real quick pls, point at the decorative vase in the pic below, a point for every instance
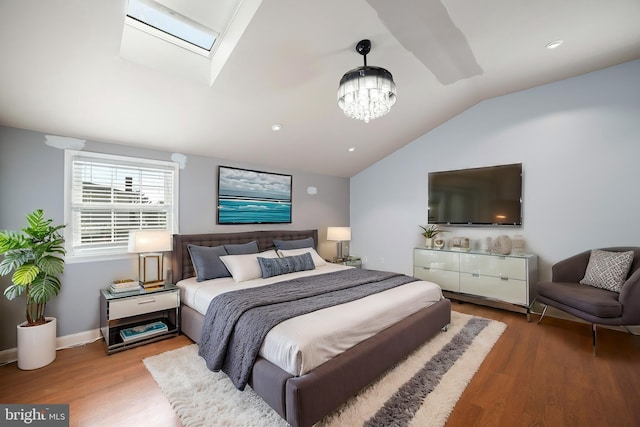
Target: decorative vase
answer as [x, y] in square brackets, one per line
[501, 245]
[486, 244]
[428, 242]
[36, 344]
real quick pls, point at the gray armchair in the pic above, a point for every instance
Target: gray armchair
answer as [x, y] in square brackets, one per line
[595, 305]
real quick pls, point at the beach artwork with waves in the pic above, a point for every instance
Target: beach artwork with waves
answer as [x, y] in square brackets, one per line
[253, 197]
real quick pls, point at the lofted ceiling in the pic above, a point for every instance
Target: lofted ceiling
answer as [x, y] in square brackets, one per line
[67, 69]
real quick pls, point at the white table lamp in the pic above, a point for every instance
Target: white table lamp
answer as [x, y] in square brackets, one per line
[150, 244]
[339, 234]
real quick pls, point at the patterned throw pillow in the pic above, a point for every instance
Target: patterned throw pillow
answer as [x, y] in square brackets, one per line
[246, 266]
[317, 259]
[607, 270]
[289, 264]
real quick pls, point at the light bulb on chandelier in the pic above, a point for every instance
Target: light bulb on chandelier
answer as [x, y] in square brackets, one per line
[366, 93]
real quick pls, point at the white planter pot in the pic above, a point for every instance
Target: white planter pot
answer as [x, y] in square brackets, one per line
[428, 242]
[36, 344]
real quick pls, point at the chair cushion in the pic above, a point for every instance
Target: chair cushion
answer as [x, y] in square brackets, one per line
[595, 301]
[607, 270]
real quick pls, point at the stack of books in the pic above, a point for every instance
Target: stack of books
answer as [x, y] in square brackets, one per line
[127, 285]
[143, 331]
[152, 285]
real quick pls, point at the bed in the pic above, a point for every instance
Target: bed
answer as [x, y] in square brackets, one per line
[304, 399]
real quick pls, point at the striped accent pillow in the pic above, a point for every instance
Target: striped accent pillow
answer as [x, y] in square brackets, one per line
[290, 264]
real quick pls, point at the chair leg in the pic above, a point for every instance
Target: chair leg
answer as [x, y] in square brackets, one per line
[544, 311]
[593, 334]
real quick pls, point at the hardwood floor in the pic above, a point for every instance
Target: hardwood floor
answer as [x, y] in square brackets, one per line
[101, 390]
[536, 375]
[546, 375]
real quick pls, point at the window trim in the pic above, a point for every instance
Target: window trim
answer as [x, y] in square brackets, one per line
[69, 156]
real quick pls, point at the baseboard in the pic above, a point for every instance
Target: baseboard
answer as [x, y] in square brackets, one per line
[81, 338]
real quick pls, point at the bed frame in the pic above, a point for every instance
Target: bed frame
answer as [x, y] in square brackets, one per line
[305, 400]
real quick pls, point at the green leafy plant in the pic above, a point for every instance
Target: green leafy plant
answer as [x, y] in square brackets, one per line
[35, 257]
[431, 231]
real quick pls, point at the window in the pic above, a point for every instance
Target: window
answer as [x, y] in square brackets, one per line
[169, 25]
[108, 196]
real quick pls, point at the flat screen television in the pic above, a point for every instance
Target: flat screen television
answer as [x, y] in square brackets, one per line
[479, 196]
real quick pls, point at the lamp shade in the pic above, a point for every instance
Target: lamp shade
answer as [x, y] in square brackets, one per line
[339, 234]
[142, 241]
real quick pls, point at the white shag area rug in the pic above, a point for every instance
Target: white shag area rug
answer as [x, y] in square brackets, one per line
[422, 390]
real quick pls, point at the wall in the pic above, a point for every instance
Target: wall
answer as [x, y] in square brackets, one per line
[32, 177]
[579, 142]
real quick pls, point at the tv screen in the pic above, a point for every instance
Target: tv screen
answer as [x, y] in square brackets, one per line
[479, 196]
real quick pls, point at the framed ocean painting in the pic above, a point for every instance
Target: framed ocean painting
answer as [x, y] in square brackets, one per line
[253, 197]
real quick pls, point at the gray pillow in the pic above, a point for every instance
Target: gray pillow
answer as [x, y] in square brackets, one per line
[607, 270]
[243, 248]
[289, 264]
[294, 244]
[206, 262]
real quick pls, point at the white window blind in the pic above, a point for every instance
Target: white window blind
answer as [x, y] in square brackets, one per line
[109, 196]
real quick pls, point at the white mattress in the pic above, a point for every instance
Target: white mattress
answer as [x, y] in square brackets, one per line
[302, 343]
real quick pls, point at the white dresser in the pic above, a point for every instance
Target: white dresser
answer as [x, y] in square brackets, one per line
[504, 281]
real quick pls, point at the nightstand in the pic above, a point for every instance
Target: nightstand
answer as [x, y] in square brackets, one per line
[126, 310]
[351, 261]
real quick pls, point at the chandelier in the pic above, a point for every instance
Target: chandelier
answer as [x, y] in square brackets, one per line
[366, 93]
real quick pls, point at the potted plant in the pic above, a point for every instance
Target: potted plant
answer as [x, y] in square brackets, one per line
[34, 255]
[429, 233]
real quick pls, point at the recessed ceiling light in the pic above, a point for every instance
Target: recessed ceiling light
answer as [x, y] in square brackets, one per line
[352, 149]
[554, 44]
[276, 127]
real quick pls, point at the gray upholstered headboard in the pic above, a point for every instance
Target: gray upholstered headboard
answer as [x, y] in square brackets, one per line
[181, 261]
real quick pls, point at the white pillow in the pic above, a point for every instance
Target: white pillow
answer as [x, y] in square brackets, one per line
[246, 267]
[317, 259]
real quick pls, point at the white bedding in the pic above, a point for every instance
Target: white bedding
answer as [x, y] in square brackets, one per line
[302, 343]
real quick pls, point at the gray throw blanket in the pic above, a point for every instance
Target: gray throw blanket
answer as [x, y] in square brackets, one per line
[237, 322]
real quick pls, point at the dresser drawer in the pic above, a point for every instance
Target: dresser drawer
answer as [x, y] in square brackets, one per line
[494, 265]
[436, 260]
[134, 306]
[447, 280]
[503, 289]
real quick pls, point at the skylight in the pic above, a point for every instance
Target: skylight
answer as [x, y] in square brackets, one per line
[160, 21]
